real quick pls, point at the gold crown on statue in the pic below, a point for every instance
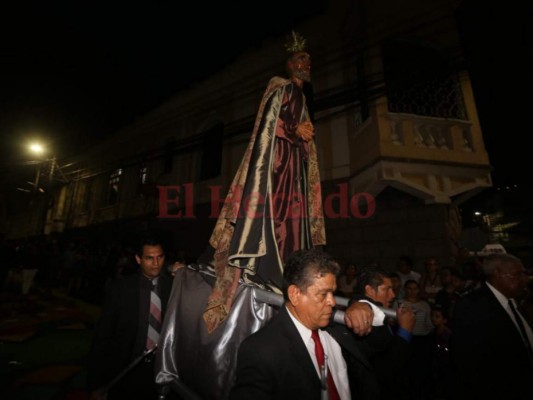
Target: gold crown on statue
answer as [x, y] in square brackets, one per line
[295, 42]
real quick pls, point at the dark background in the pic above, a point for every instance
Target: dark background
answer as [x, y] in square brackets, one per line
[74, 72]
[497, 40]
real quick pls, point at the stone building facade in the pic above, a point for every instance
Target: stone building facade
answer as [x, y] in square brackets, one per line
[396, 129]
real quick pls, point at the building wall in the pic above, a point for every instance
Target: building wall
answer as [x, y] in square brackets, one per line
[400, 225]
[360, 142]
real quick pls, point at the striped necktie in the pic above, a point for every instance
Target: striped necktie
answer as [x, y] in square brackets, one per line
[521, 327]
[154, 318]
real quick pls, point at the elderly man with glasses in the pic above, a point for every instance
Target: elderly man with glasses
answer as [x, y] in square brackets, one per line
[492, 341]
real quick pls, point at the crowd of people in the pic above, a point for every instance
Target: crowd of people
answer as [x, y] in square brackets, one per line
[432, 349]
[458, 332]
[79, 266]
[445, 343]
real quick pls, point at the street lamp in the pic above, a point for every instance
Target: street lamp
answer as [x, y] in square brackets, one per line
[37, 149]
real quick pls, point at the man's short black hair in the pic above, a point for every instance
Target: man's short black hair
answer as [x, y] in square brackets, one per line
[372, 275]
[304, 266]
[148, 240]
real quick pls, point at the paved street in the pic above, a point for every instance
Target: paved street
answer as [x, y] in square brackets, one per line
[44, 340]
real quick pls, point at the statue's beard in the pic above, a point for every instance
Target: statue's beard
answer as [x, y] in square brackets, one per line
[303, 75]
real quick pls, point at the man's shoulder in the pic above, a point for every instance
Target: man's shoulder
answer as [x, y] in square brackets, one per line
[125, 282]
[263, 343]
[272, 328]
[166, 277]
[167, 281]
[479, 298]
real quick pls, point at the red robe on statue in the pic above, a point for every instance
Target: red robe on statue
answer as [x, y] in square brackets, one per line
[274, 205]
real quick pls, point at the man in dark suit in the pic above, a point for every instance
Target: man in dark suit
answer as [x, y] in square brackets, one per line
[280, 361]
[122, 331]
[491, 344]
[387, 347]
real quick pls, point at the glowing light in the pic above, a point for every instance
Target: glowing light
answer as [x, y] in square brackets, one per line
[36, 148]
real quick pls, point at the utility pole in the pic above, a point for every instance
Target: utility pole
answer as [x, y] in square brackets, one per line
[52, 169]
[37, 177]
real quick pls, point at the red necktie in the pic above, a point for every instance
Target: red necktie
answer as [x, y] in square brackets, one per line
[319, 351]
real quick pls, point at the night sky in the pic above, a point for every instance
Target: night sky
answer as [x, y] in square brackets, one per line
[498, 44]
[74, 72]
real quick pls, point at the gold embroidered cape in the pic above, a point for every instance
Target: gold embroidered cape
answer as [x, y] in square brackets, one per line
[243, 228]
